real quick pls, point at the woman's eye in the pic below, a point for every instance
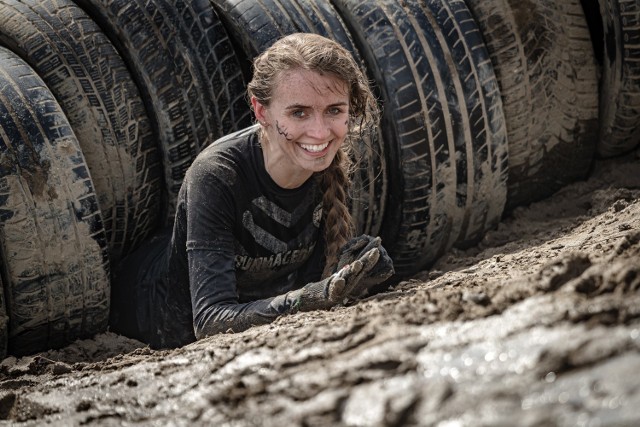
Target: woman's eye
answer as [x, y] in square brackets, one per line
[334, 111]
[298, 114]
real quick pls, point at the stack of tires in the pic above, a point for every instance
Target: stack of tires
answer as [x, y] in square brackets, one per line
[487, 105]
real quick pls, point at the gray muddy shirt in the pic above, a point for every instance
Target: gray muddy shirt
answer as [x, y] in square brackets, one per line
[240, 243]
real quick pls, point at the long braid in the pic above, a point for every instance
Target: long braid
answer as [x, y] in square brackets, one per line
[338, 224]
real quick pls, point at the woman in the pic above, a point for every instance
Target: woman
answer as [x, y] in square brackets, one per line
[262, 226]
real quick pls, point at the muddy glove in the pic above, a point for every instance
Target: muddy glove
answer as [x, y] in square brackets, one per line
[336, 288]
[381, 271]
[355, 248]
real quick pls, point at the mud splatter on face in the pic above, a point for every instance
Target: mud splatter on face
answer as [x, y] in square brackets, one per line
[283, 131]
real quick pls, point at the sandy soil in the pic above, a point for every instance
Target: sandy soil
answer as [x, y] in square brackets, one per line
[538, 325]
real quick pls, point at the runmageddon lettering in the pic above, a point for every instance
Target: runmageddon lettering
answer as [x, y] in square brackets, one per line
[247, 263]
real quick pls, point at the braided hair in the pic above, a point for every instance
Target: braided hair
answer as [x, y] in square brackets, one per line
[316, 53]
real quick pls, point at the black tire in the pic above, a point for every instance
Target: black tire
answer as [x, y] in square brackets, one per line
[369, 183]
[442, 123]
[4, 320]
[254, 26]
[546, 69]
[92, 84]
[617, 36]
[187, 70]
[54, 253]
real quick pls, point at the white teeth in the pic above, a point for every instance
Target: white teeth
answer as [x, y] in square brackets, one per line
[314, 148]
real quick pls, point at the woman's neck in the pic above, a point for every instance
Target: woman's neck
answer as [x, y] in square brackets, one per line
[281, 170]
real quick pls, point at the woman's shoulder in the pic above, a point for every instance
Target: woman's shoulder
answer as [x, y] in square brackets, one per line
[232, 149]
[236, 142]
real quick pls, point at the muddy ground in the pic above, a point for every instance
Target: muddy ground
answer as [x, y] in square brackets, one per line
[539, 325]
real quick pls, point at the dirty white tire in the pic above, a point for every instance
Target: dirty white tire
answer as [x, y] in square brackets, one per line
[187, 71]
[254, 26]
[54, 252]
[443, 125]
[97, 94]
[546, 69]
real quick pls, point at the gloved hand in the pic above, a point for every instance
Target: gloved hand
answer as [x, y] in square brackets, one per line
[355, 248]
[336, 288]
[380, 272]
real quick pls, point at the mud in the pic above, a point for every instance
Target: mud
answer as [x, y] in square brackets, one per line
[537, 325]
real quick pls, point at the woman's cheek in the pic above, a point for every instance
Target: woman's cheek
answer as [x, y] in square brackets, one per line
[284, 130]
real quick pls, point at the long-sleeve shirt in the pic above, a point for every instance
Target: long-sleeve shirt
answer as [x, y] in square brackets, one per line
[240, 244]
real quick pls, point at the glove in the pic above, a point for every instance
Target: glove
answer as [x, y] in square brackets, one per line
[336, 288]
[380, 272]
[355, 248]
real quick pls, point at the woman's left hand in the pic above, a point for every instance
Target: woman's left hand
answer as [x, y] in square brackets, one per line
[380, 272]
[356, 248]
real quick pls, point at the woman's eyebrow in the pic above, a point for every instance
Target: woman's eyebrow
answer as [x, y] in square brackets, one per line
[299, 106]
[295, 107]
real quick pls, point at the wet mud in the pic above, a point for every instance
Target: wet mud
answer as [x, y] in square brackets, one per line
[537, 325]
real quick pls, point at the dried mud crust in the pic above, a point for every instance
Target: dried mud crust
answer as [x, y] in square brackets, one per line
[54, 266]
[98, 96]
[443, 128]
[545, 311]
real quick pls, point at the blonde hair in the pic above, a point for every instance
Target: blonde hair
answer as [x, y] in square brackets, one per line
[319, 54]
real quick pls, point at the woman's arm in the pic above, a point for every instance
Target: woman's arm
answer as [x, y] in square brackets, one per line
[216, 306]
[215, 300]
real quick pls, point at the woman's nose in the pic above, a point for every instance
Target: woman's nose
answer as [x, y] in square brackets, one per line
[319, 128]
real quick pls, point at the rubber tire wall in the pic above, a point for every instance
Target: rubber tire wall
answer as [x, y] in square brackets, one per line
[256, 25]
[443, 125]
[546, 69]
[187, 71]
[91, 82]
[55, 266]
[620, 79]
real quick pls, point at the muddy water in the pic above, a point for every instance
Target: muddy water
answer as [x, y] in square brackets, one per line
[539, 325]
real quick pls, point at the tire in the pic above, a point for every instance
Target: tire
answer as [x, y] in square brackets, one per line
[443, 125]
[546, 70]
[616, 35]
[369, 183]
[92, 84]
[54, 252]
[4, 320]
[187, 71]
[254, 26]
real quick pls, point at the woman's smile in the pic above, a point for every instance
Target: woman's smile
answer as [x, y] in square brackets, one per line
[315, 148]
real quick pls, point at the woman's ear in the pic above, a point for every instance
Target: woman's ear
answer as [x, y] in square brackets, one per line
[259, 110]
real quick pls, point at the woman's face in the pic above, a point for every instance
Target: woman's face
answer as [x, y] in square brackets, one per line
[306, 123]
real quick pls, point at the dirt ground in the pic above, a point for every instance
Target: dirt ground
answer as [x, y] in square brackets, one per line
[539, 325]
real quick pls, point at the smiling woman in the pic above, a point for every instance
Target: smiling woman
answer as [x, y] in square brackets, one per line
[262, 226]
[304, 126]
